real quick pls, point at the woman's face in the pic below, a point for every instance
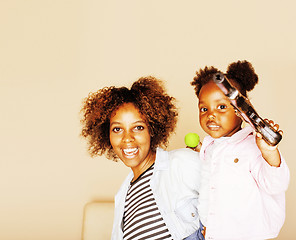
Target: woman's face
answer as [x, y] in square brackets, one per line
[130, 138]
[216, 115]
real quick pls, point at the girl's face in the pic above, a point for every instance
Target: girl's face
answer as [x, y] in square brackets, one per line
[216, 115]
[130, 138]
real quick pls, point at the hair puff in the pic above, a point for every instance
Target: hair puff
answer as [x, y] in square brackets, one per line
[243, 73]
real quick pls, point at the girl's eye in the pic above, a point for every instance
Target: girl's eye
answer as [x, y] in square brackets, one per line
[222, 107]
[203, 109]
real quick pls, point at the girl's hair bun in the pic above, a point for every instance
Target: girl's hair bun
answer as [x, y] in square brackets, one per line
[243, 73]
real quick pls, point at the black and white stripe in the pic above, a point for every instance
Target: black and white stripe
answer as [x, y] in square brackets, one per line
[142, 219]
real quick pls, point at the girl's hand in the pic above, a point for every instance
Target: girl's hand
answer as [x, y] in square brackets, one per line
[197, 148]
[269, 153]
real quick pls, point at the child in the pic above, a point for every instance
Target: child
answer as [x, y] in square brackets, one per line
[243, 179]
[158, 199]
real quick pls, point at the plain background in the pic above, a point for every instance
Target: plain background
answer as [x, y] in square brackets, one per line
[54, 52]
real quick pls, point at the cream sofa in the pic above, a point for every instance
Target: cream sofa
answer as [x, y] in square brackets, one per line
[98, 220]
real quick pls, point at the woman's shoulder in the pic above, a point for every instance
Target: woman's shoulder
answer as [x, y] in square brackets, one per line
[181, 159]
[184, 154]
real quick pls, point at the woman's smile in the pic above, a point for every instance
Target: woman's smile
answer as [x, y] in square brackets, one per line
[130, 152]
[130, 138]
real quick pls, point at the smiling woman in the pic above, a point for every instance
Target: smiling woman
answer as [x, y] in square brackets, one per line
[158, 199]
[148, 96]
[130, 138]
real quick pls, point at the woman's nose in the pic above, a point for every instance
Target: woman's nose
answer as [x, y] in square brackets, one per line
[128, 137]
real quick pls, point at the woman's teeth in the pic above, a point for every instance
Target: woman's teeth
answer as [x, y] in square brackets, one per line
[130, 151]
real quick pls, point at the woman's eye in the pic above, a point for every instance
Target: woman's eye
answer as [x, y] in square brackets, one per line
[116, 129]
[222, 107]
[139, 128]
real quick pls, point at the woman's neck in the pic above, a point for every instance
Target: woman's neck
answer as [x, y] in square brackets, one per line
[145, 165]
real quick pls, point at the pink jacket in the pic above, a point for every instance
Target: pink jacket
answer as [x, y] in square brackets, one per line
[247, 195]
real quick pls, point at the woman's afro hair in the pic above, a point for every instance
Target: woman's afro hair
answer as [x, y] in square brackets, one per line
[241, 73]
[148, 96]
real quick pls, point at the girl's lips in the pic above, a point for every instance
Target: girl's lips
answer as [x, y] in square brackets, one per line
[213, 126]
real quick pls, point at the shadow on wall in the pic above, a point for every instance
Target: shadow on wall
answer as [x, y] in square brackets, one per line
[98, 220]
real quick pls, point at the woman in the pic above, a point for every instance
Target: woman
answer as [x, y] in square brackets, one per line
[158, 199]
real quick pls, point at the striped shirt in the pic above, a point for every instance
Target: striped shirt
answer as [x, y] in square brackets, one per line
[142, 219]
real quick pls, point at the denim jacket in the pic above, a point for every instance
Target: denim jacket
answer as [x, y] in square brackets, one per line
[175, 183]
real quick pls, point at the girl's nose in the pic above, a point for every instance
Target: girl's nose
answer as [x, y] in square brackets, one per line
[211, 115]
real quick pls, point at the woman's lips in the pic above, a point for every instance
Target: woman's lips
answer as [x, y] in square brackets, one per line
[130, 151]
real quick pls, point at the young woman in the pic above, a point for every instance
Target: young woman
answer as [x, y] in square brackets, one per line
[158, 199]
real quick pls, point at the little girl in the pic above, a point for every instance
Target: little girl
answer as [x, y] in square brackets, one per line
[243, 179]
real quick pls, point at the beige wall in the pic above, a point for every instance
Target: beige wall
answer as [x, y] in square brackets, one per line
[53, 52]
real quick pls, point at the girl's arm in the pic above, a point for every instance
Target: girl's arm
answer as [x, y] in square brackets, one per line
[269, 153]
[274, 176]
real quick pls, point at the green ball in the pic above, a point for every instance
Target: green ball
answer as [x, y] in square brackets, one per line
[192, 140]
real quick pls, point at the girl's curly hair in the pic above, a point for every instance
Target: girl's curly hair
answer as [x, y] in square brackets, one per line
[203, 76]
[241, 73]
[149, 97]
